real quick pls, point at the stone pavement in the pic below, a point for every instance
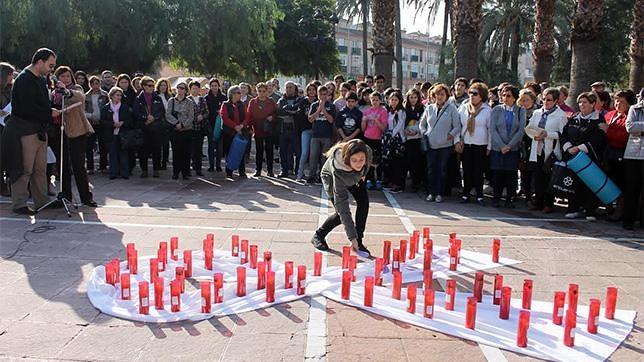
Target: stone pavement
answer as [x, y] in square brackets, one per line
[45, 313]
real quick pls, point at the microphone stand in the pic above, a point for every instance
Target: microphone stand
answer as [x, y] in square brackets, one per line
[60, 198]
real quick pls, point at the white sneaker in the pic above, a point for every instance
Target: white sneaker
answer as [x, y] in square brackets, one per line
[574, 215]
[430, 197]
[439, 198]
[591, 218]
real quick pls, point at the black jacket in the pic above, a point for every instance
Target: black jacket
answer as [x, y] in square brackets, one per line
[214, 104]
[579, 131]
[141, 114]
[107, 120]
[129, 98]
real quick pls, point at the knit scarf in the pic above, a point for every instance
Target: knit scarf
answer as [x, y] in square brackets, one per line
[472, 111]
[115, 111]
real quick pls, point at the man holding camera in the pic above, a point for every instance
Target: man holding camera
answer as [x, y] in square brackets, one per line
[26, 134]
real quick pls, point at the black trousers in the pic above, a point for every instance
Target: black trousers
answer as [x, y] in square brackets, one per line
[197, 149]
[103, 148]
[414, 163]
[453, 172]
[165, 148]
[473, 157]
[152, 147]
[633, 193]
[264, 147]
[181, 153]
[583, 197]
[542, 195]
[360, 194]
[505, 179]
[74, 161]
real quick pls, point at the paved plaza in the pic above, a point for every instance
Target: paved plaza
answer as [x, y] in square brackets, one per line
[45, 313]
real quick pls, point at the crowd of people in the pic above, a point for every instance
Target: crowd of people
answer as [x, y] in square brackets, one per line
[438, 139]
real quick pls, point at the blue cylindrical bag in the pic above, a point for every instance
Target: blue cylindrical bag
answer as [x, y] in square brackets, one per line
[593, 176]
[236, 152]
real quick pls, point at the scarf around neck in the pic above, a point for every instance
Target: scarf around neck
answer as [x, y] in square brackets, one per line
[472, 112]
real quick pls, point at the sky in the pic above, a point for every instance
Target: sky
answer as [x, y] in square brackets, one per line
[408, 24]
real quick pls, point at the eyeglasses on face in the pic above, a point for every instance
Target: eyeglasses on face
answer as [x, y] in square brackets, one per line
[182, 88]
[474, 93]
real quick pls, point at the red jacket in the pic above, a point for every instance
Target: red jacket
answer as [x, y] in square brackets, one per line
[255, 115]
[616, 134]
[238, 116]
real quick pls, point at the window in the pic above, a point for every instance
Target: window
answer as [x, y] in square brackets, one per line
[356, 44]
[340, 41]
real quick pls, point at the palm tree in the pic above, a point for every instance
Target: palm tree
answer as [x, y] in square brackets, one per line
[432, 6]
[399, 56]
[586, 30]
[383, 13]
[353, 9]
[636, 51]
[466, 27]
[543, 48]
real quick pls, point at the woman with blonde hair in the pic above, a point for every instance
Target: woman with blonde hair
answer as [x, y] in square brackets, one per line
[344, 173]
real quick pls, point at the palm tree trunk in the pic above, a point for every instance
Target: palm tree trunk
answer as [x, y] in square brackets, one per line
[585, 33]
[516, 50]
[442, 69]
[466, 26]
[636, 51]
[383, 15]
[399, 56]
[365, 37]
[505, 49]
[544, 40]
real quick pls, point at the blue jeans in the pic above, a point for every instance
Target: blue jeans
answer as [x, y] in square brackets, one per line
[437, 170]
[288, 147]
[214, 151]
[119, 163]
[305, 151]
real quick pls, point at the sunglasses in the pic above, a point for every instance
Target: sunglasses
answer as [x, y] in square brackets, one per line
[148, 85]
[474, 93]
[182, 88]
[549, 100]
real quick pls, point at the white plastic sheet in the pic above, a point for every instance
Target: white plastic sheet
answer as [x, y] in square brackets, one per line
[545, 339]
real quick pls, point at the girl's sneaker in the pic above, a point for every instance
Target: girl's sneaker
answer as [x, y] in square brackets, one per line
[378, 185]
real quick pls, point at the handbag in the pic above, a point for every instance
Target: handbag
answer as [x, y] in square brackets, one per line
[562, 180]
[132, 139]
[217, 129]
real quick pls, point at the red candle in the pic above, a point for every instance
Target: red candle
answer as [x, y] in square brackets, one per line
[458, 243]
[470, 313]
[317, 264]
[144, 298]
[450, 294]
[426, 233]
[174, 248]
[453, 254]
[558, 307]
[210, 236]
[452, 236]
[593, 315]
[496, 246]
[498, 284]
[573, 296]
[412, 248]
[208, 244]
[187, 263]
[116, 269]
[261, 275]
[346, 284]
[386, 251]
[154, 269]
[163, 245]
[429, 247]
[569, 329]
[428, 277]
[175, 296]
[504, 310]
[234, 248]
[158, 293]
[161, 267]
[243, 253]
[208, 256]
[288, 275]
[253, 256]
[134, 262]
[368, 291]
[478, 286]
[352, 267]
[241, 281]
[428, 311]
[109, 273]
[346, 257]
[301, 279]
[427, 260]
[403, 251]
[522, 329]
[527, 294]
[412, 290]
[395, 262]
[377, 274]
[205, 296]
[218, 281]
[125, 286]
[270, 287]
[180, 277]
[268, 261]
[611, 302]
[128, 253]
[396, 289]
